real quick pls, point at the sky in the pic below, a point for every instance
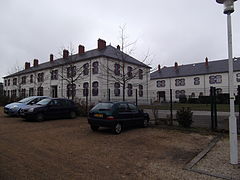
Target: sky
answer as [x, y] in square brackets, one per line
[183, 31]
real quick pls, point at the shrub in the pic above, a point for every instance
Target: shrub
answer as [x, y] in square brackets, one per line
[193, 100]
[182, 98]
[184, 117]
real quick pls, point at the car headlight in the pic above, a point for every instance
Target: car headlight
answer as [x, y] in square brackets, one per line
[31, 110]
[14, 107]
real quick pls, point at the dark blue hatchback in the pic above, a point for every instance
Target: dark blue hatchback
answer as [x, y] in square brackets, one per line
[117, 115]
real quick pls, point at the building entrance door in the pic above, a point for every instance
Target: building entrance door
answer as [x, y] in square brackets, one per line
[54, 91]
[161, 96]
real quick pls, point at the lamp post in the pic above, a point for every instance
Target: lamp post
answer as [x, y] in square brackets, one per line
[228, 9]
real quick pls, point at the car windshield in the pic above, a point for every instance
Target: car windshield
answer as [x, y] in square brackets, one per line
[26, 100]
[103, 107]
[44, 102]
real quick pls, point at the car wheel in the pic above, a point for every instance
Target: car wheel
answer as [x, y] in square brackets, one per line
[145, 123]
[94, 128]
[39, 117]
[117, 128]
[73, 114]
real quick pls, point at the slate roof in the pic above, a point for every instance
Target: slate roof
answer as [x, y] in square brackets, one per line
[109, 51]
[217, 66]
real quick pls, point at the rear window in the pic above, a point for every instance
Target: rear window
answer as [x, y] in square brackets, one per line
[103, 107]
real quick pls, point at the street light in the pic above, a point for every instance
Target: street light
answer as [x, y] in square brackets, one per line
[228, 9]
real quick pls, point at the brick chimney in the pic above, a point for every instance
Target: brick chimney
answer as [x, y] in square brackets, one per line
[206, 62]
[51, 57]
[159, 68]
[81, 49]
[27, 65]
[35, 62]
[101, 44]
[118, 47]
[176, 65]
[65, 54]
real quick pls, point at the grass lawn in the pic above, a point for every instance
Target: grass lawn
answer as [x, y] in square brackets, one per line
[196, 107]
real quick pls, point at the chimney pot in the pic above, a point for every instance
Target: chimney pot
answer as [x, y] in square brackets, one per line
[65, 54]
[27, 65]
[176, 65]
[206, 62]
[81, 49]
[159, 68]
[101, 44]
[51, 57]
[35, 62]
[118, 47]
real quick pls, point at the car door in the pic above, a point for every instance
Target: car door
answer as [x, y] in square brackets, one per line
[134, 114]
[54, 109]
[124, 115]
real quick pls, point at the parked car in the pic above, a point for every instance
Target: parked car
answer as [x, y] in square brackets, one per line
[14, 108]
[50, 108]
[116, 115]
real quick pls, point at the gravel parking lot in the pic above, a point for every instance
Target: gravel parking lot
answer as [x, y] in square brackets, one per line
[68, 149]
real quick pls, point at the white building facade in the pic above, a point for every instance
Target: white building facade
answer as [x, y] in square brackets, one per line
[192, 80]
[94, 76]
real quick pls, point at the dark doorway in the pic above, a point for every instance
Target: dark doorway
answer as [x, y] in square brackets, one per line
[54, 91]
[161, 96]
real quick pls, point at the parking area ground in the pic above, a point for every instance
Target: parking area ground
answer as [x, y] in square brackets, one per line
[68, 149]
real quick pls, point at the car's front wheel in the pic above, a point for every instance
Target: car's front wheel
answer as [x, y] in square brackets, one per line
[94, 128]
[117, 129]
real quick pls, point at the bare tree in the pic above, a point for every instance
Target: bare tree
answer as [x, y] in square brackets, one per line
[119, 74]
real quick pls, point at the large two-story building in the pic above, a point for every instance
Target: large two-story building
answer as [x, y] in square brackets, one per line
[98, 75]
[193, 80]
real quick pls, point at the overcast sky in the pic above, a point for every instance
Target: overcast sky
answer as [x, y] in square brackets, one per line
[183, 31]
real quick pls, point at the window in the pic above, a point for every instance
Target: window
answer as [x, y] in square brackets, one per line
[218, 91]
[14, 81]
[40, 91]
[215, 79]
[85, 69]
[8, 82]
[140, 91]
[117, 89]
[201, 94]
[122, 107]
[238, 77]
[95, 88]
[193, 95]
[140, 73]
[117, 69]
[23, 92]
[40, 77]
[54, 74]
[71, 90]
[161, 83]
[129, 73]
[31, 92]
[85, 89]
[31, 78]
[24, 79]
[129, 91]
[179, 93]
[132, 107]
[14, 93]
[180, 82]
[196, 81]
[5, 82]
[71, 71]
[95, 68]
